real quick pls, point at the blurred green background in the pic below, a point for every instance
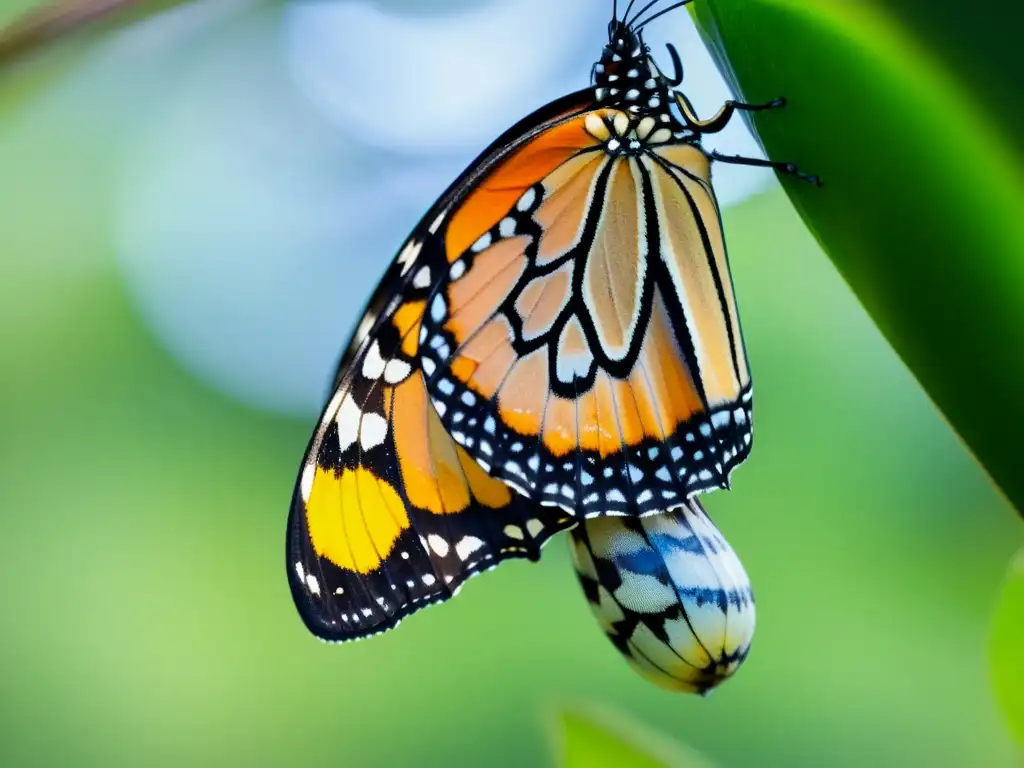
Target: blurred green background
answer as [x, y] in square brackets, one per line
[146, 614]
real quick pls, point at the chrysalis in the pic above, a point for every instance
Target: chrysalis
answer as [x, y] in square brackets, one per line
[670, 593]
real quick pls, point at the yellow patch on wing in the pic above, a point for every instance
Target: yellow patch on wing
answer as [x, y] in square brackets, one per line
[354, 518]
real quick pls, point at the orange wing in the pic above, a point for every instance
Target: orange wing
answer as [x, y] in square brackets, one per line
[389, 514]
[584, 343]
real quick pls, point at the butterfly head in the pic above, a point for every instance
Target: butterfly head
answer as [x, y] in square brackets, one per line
[626, 73]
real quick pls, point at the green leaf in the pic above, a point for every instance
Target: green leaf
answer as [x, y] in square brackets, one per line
[983, 55]
[921, 208]
[588, 743]
[1007, 648]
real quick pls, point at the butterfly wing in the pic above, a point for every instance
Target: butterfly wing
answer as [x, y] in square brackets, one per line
[587, 320]
[670, 593]
[389, 514]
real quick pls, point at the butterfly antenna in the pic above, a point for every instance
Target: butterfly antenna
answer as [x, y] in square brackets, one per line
[642, 11]
[661, 13]
[628, 9]
[615, 10]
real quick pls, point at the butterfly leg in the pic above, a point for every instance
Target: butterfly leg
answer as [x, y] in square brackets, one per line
[725, 114]
[787, 168]
[677, 64]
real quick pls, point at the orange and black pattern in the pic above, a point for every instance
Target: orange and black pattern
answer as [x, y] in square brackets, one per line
[557, 341]
[584, 344]
[389, 514]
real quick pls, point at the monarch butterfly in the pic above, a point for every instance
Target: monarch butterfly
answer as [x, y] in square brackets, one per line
[558, 339]
[670, 593]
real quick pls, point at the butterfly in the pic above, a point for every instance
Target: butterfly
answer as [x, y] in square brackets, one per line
[670, 593]
[558, 339]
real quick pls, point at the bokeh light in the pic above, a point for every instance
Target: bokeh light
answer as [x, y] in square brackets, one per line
[290, 112]
[189, 232]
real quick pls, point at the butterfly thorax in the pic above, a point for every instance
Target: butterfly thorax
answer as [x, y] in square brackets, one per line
[627, 76]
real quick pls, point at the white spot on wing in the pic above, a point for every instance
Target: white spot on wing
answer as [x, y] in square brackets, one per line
[439, 545]
[534, 527]
[528, 198]
[373, 363]
[422, 278]
[306, 486]
[313, 584]
[483, 243]
[396, 371]
[438, 309]
[409, 254]
[372, 431]
[466, 546]
[348, 422]
[512, 531]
